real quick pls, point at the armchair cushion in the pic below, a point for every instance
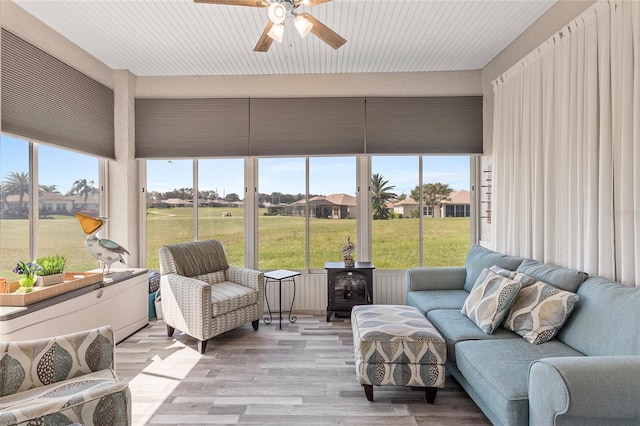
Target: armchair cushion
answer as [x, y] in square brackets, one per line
[213, 277]
[228, 296]
[198, 258]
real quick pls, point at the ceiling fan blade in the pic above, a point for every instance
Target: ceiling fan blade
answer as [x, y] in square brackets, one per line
[264, 43]
[251, 3]
[325, 33]
[313, 2]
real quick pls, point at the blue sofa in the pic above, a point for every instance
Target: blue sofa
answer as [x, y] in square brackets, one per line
[589, 374]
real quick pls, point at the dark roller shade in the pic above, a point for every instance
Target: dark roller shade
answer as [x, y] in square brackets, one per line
[191, 128]
[307, 126]
[433, 125]
[46, 100]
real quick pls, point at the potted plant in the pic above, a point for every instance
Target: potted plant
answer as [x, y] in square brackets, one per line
[52, 270]
[29, 272]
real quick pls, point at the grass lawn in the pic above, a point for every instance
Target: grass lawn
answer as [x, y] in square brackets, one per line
[281, 239]
[56, 235]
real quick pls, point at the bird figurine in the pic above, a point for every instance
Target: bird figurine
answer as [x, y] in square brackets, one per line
[106, 251]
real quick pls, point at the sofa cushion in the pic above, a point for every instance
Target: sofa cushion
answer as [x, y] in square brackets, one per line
[228, 296]
[564, 279]
[427, 301]
[456, 327]
[539, 310]
[480, 258]
[605, 321]
[490, 300]
[498, 370]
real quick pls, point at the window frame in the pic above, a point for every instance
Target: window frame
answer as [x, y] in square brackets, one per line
[363, 207]
[34, 182]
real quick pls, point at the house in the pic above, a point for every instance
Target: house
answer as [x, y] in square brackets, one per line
[90, 206]
[54, 202]
[177, 202]
[49, 202]
[334, 206]
[405, 207]
[458, 205]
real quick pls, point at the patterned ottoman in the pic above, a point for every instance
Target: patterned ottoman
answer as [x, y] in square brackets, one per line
[395, 345]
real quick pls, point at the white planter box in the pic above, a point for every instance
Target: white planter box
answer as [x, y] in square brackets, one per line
[50, 279]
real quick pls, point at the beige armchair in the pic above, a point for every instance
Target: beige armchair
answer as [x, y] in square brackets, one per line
[202, 295]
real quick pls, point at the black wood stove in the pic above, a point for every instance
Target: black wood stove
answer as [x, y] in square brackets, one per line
[348, 286]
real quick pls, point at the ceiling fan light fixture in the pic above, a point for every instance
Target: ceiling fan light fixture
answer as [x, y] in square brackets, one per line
[276, 32]
[302, 25]
[277, 13]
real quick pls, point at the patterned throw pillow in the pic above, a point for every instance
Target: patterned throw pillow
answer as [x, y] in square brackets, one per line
[539, 311]
[496, 269]
[490, 300]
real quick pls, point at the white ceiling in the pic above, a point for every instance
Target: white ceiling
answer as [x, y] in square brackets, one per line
[178, 37]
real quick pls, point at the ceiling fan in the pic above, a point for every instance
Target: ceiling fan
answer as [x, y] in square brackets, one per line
[278, 11]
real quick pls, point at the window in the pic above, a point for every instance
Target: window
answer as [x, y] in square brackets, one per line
[221, 205]
[395, 229]
[282, 213]
[332, 206]
[447, 230]
[14, 209]
[67, 182]
[169, 205]
[428, 211]
[70, 182]
[307, 209]
[329, 211]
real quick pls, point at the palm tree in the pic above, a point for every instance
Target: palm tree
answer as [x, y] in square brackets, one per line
[4, 193]
[48, 189]
[380, 195]
[84, 188]
[17, 183]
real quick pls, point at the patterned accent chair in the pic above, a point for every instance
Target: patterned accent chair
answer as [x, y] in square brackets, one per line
[63, 380]
[202, 295]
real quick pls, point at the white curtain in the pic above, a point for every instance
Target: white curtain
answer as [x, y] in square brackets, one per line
[567, 147]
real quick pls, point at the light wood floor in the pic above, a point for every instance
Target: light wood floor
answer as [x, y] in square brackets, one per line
[303, 374]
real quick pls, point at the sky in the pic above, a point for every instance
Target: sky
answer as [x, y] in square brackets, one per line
[56, 166]
[327, 175]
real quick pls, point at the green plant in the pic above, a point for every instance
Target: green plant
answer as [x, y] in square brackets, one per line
[51, 265]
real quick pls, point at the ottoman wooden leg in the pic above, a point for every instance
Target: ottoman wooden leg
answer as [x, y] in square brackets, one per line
[430, 394]
[368, 391]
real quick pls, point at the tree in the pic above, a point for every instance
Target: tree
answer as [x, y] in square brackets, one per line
[4, 192]
[83, 187]
[432, 193]
[380, 195]
[208, 195]
[232, 197]
[17, 183]
[180, 193]
[49, 189]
